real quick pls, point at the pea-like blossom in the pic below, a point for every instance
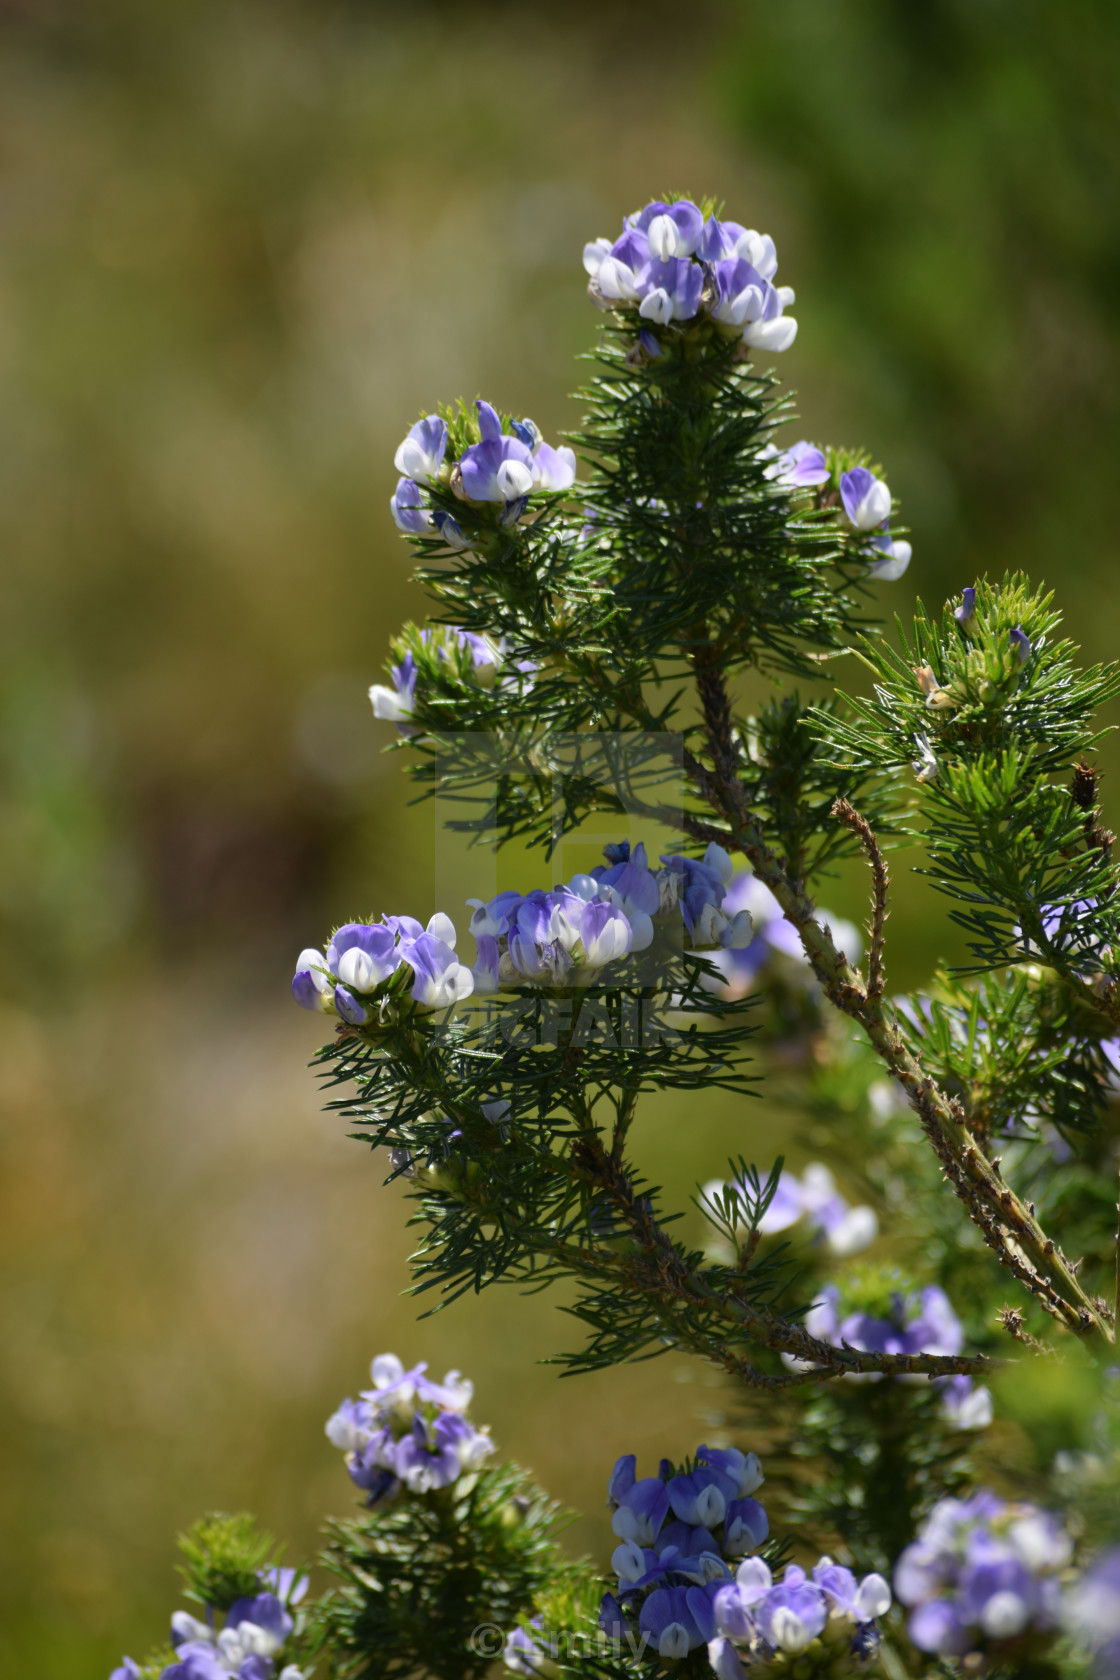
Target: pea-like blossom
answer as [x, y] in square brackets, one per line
[680, 1534]
[255, 1632]
[440, 979]
[407, 1431]
[420, 456]
[363, 956]
[772, 935]
[889, 557]
[866, 499]
[965, 613]
[674, 267]
[765, 1622]
[983, 1573]
[1021, 643]
[410, 512]
[801, 466]
[394, 705]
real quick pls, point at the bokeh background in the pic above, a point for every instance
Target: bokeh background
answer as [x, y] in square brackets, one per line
[242, 244]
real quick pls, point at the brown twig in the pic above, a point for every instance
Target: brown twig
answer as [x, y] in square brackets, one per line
[850, 817]
[1008, 1227]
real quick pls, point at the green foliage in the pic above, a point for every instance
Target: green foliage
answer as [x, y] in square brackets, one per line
[988, 733]
[224, 1558]
[422, 1576]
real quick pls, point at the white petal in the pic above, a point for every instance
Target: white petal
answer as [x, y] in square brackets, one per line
[657, 306]
[442, 927]
[594, 253]
[873, 1598]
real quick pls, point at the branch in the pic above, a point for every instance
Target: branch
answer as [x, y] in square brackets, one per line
[1008, 1227]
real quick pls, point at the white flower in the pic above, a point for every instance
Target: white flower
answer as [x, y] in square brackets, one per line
[720, 860]
[594, 253]
[315, 964]
[873, 1598]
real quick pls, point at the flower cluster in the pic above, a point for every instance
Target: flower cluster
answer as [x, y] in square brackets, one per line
[818, 1624]
[864, 499]
[673, 265]
[255, 1631]
[814, 1198]
[497, 471]
[558, 938]
[982, 1579]
[408, 1431]
[772, 934]
[921, 1321]
[554, 938]
[1092, 1612]
[677, 1531]
[395, 704]
[363, 958]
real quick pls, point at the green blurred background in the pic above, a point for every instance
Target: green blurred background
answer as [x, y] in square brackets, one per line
[241, 246]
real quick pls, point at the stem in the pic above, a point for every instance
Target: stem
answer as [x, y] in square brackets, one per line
[1009, 1228]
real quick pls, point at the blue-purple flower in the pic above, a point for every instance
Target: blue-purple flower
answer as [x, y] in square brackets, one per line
[769, 1621]
[866, 499]
[362, 956]
[674, 268]
[982, 1573]
[410, 512]
[255, 1631]
[966, 611]
[802, 466]
[407, 1431]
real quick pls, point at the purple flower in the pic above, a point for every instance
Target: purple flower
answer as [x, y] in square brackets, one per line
[742, 1469]
[312, 985]
[982, 1571]
[866, 499]
[801, 466]
[440, 979]
[894, 557]
[127, 1671]
[395, 704]
[1021, 644]
[701, 885]
[450, 530]
[498, 468]
[745, 1526]
[421, 454]
[650, 344]
[553, 469]
[409, 512]
[702, 1497]
[672, 230]
[770, 328]
[363, 954]
[671, 290]
[677, 1620]
[741, 292]
[266, 1613]
[861, 1600]
[593, 934]
[965, 612]
[791, 1615]
[642, 1506]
